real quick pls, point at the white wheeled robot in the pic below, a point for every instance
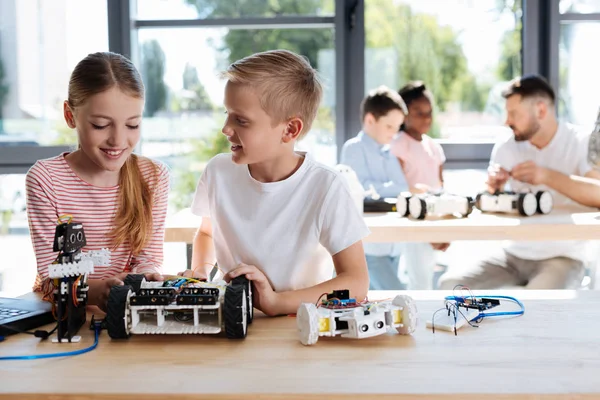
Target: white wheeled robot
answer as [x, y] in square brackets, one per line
[419, 206]
[179, 306]
[342, 315]
[525, 204]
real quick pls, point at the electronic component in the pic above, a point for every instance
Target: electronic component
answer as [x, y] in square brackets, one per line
[525, 204]
[69, 273]
[341, 315]
[420, 206]
[179, 306]
[461, 310]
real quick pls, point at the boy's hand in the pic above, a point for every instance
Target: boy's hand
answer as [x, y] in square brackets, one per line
[263, 295]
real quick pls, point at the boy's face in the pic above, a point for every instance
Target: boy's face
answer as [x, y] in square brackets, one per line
[249, 128]
[384, 128]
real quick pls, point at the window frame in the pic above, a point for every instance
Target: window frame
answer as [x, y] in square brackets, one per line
[541, 24]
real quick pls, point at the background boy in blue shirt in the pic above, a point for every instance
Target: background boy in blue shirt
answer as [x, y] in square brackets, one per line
[368, 154]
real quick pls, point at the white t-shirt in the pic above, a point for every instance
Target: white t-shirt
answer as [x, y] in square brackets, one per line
[566, 153]
[289, 229]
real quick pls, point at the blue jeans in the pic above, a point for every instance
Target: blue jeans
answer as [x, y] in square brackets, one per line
[383, 272]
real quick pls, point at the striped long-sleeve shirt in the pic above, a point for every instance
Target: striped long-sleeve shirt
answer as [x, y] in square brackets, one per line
[53, 189]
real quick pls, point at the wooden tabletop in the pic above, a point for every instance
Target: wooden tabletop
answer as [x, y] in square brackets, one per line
[563, 223]
[553, 351]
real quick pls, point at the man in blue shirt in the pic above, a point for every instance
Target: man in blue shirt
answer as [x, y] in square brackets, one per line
[368, 154]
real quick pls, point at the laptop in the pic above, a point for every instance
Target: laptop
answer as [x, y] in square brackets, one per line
[23, 314]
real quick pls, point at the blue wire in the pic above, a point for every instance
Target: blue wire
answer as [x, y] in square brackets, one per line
[54, 355]
[493, 314]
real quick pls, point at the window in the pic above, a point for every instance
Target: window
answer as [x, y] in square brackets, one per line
[578, 75]
[184, 94]
[579, 6]
[41, 41]
[463, 50]
[191, 9]
[40, 44]
[18, 267]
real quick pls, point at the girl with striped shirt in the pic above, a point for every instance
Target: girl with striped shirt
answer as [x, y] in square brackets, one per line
[119, 197]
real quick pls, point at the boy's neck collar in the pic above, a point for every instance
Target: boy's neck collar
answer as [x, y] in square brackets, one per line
[276, 170]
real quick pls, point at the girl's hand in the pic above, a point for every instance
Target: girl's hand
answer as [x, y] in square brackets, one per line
[188, 273]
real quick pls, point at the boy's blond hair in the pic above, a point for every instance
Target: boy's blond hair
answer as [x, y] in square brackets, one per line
[285, 83]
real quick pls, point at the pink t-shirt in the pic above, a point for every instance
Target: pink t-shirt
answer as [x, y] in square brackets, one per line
[421, 159]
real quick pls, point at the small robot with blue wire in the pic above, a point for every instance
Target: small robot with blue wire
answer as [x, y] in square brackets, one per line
[339, 314]
[179, 306]
[460, 310]
[69, 275]
[67, 288]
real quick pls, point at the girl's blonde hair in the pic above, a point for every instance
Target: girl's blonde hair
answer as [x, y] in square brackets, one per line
[95, 74]
[285, 83]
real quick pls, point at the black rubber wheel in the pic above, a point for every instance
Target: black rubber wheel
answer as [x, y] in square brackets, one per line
[235, 312]
[242, 280]
[135, 281]
[116, 325]
[521, 204]
[406, 209]
[469, 205]
[538, 196]
[478, 201]
[423, 212]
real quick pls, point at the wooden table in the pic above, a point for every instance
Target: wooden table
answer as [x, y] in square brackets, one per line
[563, 223]
[551, 352]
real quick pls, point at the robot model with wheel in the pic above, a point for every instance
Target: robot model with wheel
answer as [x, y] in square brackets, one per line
[69, 274]
[179, 306]
[341, 315]
[525, 204]
[420, 206]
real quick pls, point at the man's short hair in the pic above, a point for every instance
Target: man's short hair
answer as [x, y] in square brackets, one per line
[379, 102]
[530, 86]
[285, 83]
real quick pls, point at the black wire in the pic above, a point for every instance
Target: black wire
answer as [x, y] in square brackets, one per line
[452, 308]
[10, 328]
[433, 319]
[38, 333]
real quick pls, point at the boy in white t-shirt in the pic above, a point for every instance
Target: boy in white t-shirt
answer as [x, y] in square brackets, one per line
[543, 154]
[268, 211]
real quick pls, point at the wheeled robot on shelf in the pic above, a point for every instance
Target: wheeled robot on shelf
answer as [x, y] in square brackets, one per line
[179, 306]
[525, 204]
[420, 206]
[341, 315]
[69, 275]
